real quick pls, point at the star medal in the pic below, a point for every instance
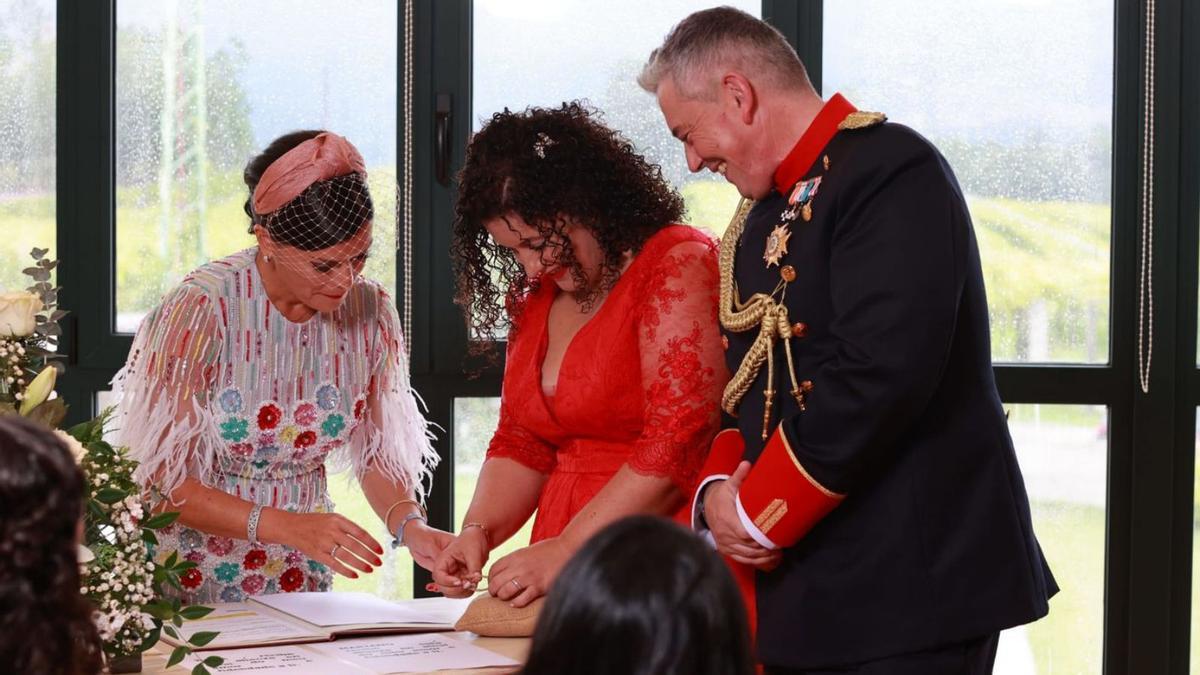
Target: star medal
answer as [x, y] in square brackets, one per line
[776, 244]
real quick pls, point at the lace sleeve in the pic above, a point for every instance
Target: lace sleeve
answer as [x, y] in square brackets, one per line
[682, 364]
[163, 391]
[394, 435]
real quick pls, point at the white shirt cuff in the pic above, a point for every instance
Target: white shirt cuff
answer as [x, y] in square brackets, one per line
[752, 529]
[700, 527]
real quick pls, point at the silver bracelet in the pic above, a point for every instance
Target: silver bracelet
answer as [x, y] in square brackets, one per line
[398, 540]
[252, 523]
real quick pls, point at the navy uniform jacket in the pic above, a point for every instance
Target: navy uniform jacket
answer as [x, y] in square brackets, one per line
[895, 494]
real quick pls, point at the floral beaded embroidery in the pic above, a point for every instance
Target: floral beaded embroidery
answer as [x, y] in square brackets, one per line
[234, 429]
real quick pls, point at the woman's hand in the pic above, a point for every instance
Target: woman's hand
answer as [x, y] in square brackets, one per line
[425, 543]
[526, 575]
[459, 567]
[328, 538]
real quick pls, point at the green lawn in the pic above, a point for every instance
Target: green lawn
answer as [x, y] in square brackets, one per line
[1069, 640]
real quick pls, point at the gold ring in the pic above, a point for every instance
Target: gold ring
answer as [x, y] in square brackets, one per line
[518, 584]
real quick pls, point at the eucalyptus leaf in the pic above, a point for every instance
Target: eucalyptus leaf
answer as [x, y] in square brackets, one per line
[177, 655]
[111, 495]
[161, 520]
[195, 612]
[202, 637]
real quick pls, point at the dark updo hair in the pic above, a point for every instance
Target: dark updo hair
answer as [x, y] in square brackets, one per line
[327, 213]
[549, 166]
[45, 622]
[643, 596]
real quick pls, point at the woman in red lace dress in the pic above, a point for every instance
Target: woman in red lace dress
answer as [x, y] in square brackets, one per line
[614, 367]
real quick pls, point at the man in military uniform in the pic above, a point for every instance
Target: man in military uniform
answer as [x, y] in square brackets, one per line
[880, 499]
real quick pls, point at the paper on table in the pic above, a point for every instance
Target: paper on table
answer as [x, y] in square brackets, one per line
[240, 624]
[342, 609]
[294, 660]
[412, 653]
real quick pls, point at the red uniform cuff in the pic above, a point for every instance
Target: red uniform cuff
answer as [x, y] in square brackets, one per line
[781, 498]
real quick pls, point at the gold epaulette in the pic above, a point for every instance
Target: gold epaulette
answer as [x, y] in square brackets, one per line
[862, 119]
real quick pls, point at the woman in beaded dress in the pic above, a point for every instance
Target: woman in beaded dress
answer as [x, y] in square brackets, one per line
[262, 369]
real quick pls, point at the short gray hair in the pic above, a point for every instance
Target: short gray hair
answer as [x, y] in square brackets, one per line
[722, 37]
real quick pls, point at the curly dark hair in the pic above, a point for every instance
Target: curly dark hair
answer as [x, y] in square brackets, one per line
[45, 622]
[550, 166]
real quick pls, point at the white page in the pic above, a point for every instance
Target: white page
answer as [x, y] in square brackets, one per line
[330, 610]
[240, 624]
[439, 610]
[291, 659]
[412, 653]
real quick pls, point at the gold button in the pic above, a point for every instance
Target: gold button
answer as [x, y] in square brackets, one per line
[826, 162]
[799, 329]
[806, 386]
[788, 273]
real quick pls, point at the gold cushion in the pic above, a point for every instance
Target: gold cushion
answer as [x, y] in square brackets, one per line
[493, 617]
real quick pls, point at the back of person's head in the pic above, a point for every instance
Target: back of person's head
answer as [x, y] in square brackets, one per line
[643, 596]
[45, 623]
[704, 46]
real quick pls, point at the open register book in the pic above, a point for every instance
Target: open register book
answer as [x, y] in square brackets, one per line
[294, 618]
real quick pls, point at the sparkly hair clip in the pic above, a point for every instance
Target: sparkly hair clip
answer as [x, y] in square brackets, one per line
[543, 141]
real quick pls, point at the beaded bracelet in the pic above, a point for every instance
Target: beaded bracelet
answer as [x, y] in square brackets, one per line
[398, 539]
[252, 523]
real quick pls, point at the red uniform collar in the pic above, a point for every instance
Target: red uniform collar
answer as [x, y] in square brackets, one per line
[812, 142]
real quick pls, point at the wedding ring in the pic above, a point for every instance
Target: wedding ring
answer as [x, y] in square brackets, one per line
[517, 583]
[333, 553]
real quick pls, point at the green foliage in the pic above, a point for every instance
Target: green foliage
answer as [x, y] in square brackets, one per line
[118, 525]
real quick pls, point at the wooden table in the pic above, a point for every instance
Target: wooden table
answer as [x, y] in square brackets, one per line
[155, 660]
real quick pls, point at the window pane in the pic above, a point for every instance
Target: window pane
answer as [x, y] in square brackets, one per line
[202, 85]
[582, 53]
[1062, 451]
[393, 579]
[475, 420]
[27, 138]
[1031, 145]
